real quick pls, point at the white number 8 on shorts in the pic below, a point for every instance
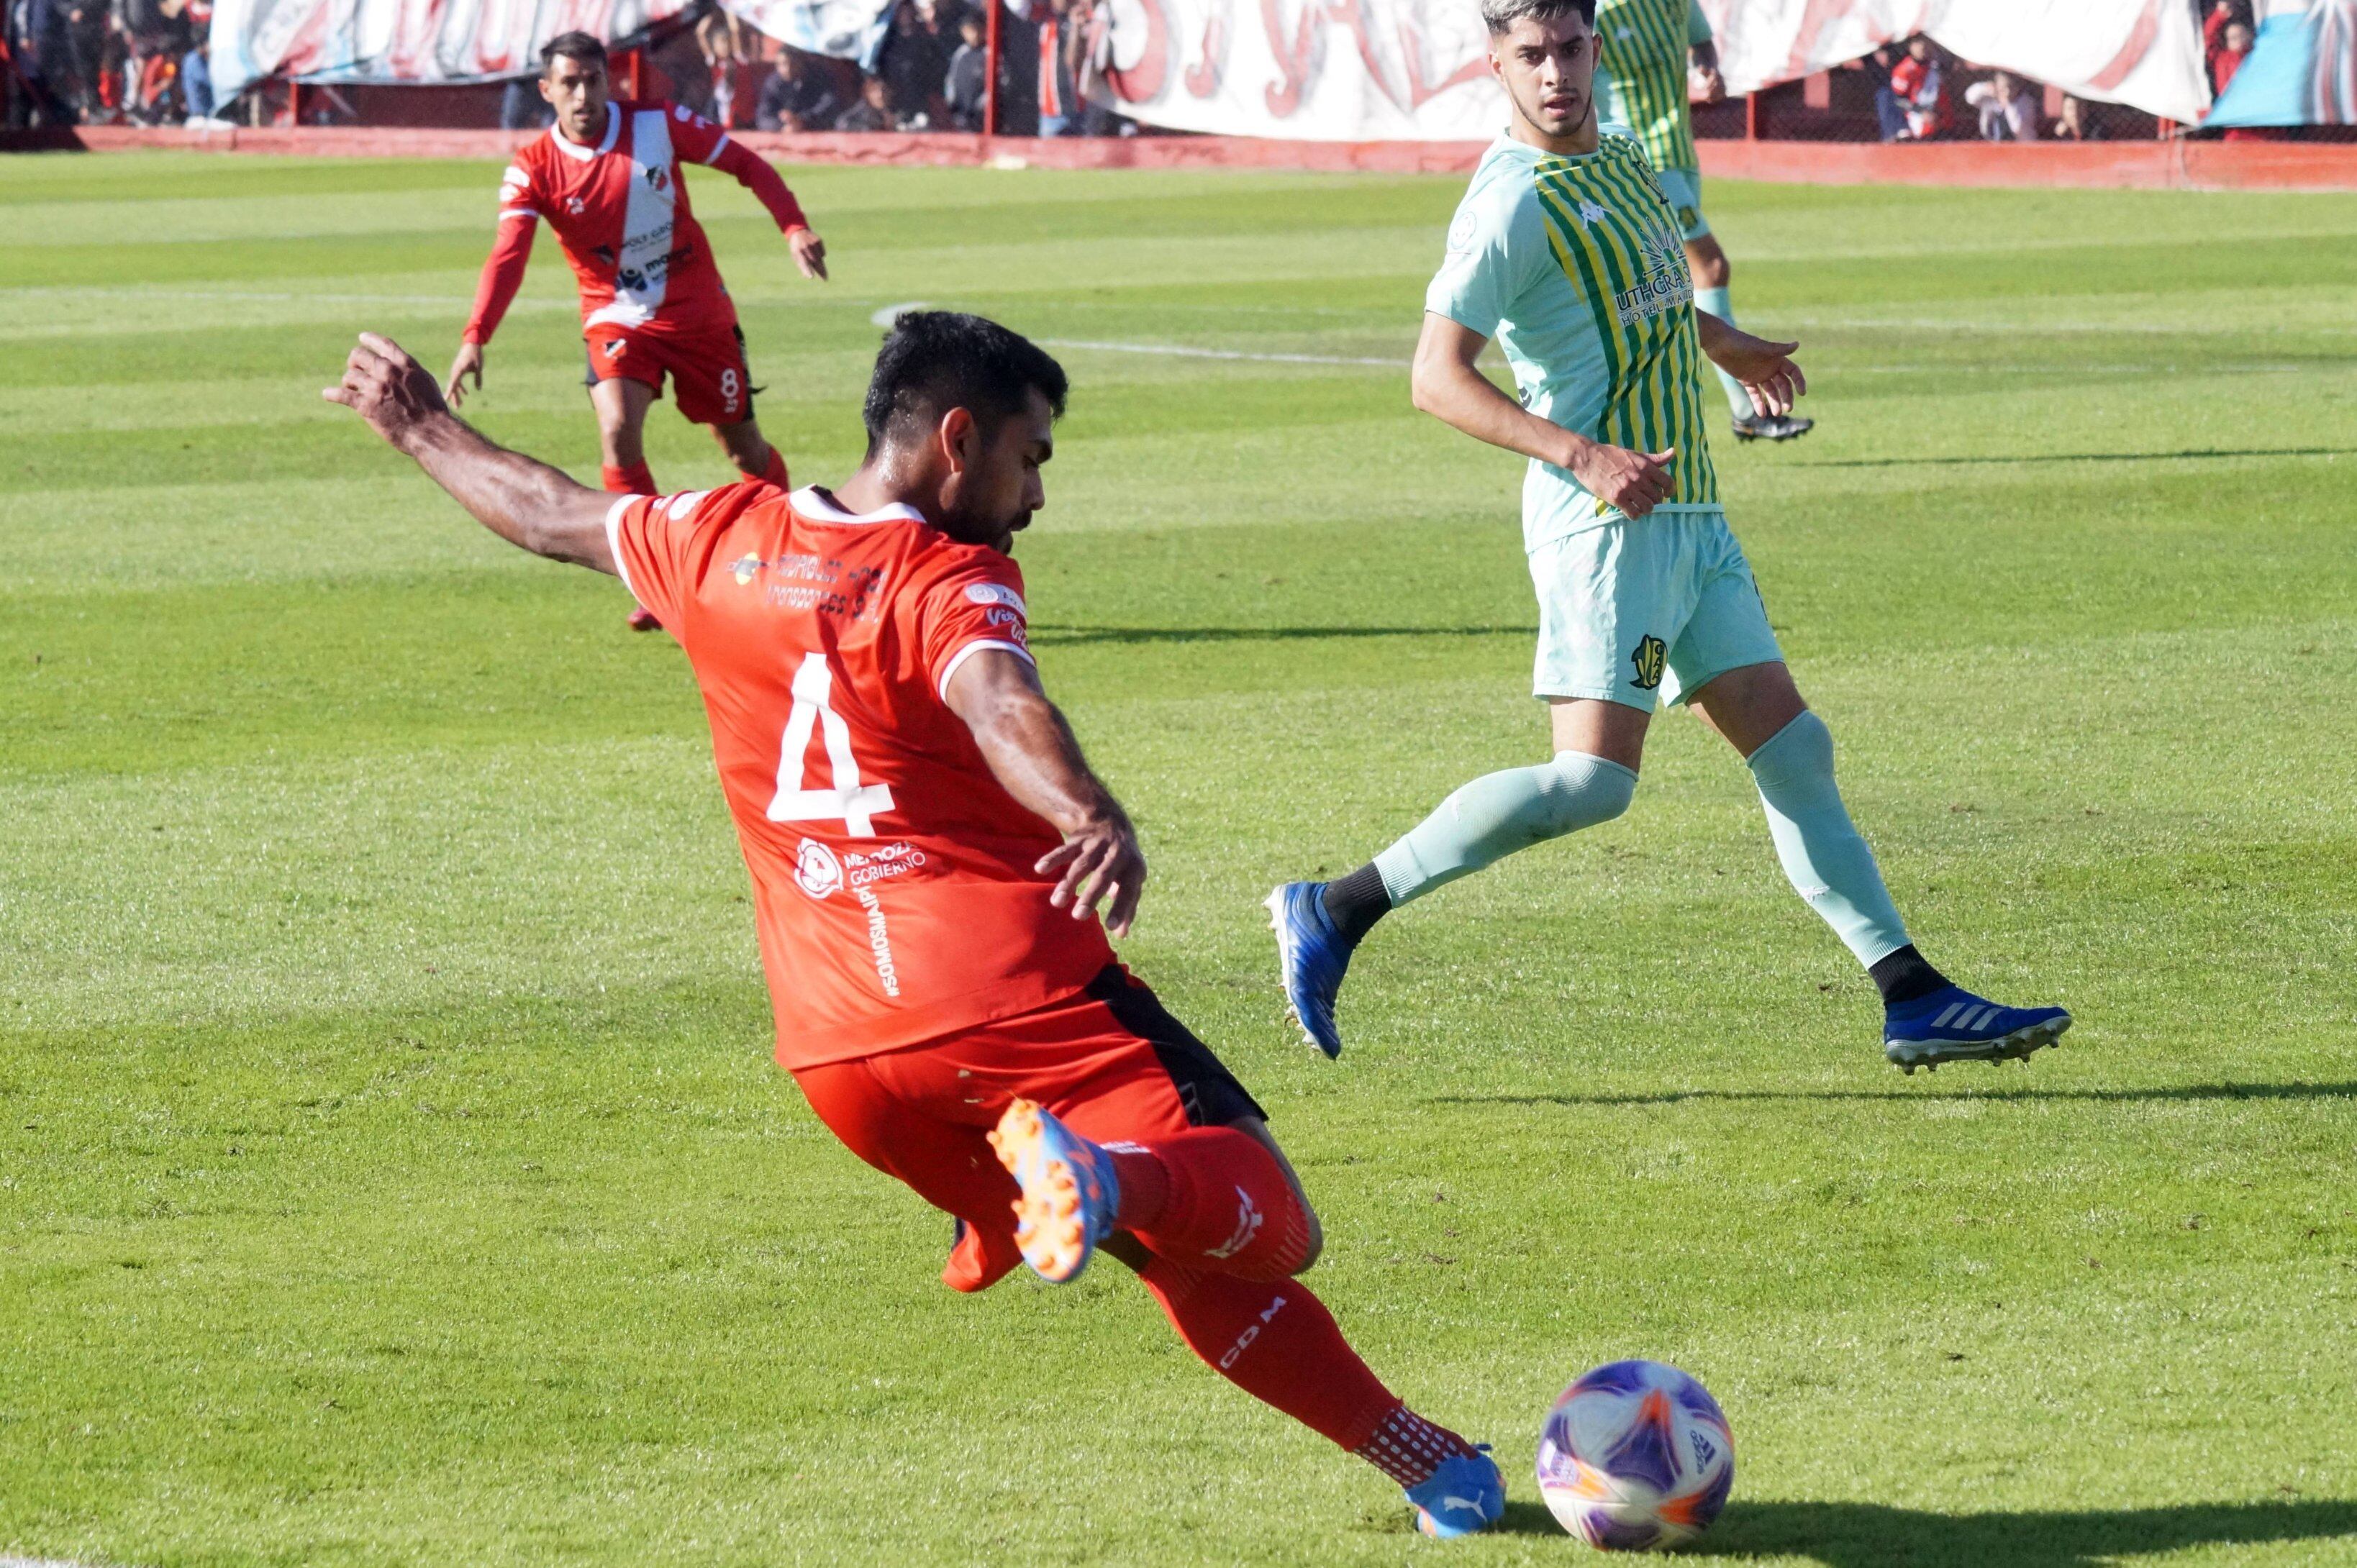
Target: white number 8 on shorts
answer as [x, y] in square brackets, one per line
[729, 384]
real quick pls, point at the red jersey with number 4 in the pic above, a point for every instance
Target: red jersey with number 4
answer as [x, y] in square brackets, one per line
[892, 875]
[620, 209]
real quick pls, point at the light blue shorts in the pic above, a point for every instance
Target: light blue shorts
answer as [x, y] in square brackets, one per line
[1632, 612]
[1683, 188]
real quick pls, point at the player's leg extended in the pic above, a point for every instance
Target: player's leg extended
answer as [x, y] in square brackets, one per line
[1214, 1219]
[1606, 611]
[1927, 1020]
[751, 452]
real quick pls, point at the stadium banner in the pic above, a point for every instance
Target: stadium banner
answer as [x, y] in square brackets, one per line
[2143, 53]
[848, 29]
[1356, 70]
[2302, 69]
[407, 41]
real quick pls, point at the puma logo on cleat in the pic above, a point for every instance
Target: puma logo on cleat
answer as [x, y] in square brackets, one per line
[1453, 1501]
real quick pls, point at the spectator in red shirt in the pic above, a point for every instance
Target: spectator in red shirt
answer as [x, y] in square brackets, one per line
[1914, 107]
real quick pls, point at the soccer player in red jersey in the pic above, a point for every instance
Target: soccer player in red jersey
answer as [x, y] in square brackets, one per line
[929, 851]
[607, 177]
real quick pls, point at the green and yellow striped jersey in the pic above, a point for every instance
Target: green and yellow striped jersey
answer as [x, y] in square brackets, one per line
[1641, 73]
[1574, 265]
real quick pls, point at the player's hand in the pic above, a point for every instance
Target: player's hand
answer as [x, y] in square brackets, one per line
[1099, 862]
[468, 363]
[810, 253]
[1765, 369]
[393, 391]
[1636, 482]
[1713, 85]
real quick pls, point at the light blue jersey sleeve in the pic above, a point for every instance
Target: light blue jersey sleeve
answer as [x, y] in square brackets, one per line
[1497, 250]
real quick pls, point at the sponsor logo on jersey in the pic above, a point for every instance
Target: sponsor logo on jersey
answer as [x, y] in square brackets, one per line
[1592, 213]
[744, 568]
[576, 205]
[995, 593]
[879, 940]
[1652, 658]
[1460, 233]
[892, 860]
[816, 871]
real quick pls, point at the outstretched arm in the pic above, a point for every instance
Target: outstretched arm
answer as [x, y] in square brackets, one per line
[525, 502]
[1445, 385]
[752, 171]
[1034, 755]
[1765, 369]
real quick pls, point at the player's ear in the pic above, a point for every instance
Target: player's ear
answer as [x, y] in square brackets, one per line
[960, 439]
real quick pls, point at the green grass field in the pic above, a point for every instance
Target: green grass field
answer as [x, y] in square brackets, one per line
[393, 1170]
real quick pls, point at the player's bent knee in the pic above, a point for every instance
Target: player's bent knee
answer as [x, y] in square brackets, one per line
[1317, 1243]
[1583, 791]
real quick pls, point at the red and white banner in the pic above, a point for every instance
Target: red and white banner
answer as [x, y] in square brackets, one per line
[1357, 70]
[2145, 53]
[406, 40]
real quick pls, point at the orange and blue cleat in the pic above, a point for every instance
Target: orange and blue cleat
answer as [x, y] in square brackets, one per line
[1069, 1193]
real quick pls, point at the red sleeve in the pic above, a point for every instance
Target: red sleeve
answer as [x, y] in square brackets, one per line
[503, 271]
[654, 541]
[976, 606]
[752, 171]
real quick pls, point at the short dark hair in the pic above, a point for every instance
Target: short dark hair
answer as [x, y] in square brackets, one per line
[581, 47]
[1500, 15]
[935, 361]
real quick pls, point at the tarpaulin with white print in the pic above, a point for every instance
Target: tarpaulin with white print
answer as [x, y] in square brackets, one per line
[1412, 69]
[2302, 70]
[407, 41]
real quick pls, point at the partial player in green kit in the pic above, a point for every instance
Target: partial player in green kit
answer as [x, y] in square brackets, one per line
[1565, 249]
[1643, 48]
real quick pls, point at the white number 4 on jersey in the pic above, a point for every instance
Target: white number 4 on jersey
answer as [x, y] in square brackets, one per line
[850, 802]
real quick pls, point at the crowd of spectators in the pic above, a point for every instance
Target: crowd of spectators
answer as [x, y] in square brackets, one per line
[140, 62]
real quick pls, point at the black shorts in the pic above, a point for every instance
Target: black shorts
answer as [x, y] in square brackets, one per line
[1209, 1093]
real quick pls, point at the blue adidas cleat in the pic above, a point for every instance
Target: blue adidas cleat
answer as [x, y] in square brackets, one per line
[1465, 1495]
[1951, 1025]
[1070, 1192]
[1311, 959]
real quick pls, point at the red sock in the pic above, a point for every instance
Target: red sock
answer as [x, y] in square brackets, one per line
[634, 480]
[775, 474]
[1280, 1344]
[1214, 1199]
[1408, 1448]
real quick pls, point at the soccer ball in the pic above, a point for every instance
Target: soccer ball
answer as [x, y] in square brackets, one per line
[1634, 1456]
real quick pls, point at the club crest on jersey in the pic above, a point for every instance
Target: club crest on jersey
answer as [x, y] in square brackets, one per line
[1652, 657]
[576, 205]
[658, 176]
[816, 871]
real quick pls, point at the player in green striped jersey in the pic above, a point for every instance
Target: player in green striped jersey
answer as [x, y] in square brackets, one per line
[1565, 249]
[1642, 50]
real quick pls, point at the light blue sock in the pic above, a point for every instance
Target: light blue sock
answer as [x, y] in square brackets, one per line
[1721, 303]
[1499, 813]
[1829, 864]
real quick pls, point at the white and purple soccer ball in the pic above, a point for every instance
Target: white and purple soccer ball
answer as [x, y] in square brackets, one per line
[1635, 1456]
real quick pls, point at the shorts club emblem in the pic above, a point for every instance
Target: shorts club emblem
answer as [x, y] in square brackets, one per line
[614, 347]
[1652, 658]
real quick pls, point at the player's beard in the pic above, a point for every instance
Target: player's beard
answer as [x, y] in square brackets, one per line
[1532, 110]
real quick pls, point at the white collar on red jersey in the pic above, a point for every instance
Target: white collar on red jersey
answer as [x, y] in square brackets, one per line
[813, 504]
[573, 149]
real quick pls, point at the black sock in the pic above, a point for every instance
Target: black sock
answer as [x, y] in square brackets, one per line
[1904, 975]
[1354, 903]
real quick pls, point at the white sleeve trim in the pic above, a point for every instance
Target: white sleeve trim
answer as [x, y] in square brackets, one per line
[976, 646]
[614, 538]
[508, 212]
[718, 147]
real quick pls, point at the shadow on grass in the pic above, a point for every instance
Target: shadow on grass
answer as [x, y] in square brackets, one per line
[1068, 635]
[1869, 1535]
[2190, 454]
[1675, 1096]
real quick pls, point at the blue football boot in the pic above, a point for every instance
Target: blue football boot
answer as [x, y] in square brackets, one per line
[1070, 1192]
[1465, 1495]
[1951, 1025]
[1311, 957]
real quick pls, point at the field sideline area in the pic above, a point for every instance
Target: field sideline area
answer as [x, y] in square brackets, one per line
[393, 1169]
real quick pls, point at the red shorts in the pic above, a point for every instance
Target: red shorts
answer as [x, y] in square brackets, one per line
[1112, 1063]
[706, 361]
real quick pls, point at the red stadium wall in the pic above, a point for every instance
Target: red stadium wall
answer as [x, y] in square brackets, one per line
[2155, 165]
